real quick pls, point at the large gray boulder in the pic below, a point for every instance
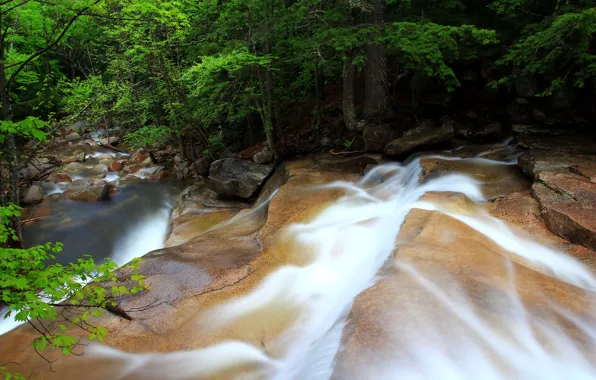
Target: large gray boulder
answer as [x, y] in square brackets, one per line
[233, 177]
[33, 195]
[425, 135]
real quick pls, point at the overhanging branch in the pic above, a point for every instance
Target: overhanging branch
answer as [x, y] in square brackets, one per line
[41, 51]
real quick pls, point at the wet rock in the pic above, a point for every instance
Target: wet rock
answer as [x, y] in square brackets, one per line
[73, 167]
[343, 164]
[496, 181]
[522, 101]
[424, 136]
[33, 195]
[93, 194]
[111, 141]
[237, 178]
[106, 161]
[537, 161]
[132, 168]
[73, 136]
[263, 157]
[115, 166]
[202, 166]
[60, 177]
[100, 170]
[149, 171]
[377, 136]
[568, 205]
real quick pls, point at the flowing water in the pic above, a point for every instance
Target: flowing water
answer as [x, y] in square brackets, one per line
[133, 222]
[502, 312]
[364, 292]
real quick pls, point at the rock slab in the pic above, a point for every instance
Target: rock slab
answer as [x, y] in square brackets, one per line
[233, 177]
[422, 137]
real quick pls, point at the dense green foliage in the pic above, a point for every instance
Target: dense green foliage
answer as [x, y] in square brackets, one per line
[56, 299]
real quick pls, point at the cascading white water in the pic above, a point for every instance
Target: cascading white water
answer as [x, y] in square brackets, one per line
[146, 236]
[336, 256]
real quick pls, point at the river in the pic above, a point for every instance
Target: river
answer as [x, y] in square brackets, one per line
[394, 278]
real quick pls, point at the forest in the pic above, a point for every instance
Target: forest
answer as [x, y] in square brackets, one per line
[211, 77]
[207, 75]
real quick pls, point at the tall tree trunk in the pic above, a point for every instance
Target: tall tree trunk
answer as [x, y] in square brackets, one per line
[348, 75]
[318, 96]
[376, 104]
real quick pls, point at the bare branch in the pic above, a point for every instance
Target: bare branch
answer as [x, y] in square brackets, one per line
[48, 47]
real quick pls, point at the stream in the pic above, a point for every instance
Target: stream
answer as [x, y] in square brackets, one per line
[133, 222]
[394, 279]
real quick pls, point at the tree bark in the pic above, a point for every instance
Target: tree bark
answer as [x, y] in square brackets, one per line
[376, 104]
[348, 75]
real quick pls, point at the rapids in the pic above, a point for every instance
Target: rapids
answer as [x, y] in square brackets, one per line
[395, 278]
[444, 329]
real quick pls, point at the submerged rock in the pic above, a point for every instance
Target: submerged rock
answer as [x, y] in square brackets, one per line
[233, 177]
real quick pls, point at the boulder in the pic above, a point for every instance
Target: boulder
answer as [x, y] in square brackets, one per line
[106, 161]
[202, 165]
[263, 157]
[60, 177]
[115, 166]
[424, 136]
[93, 194]
[178, 158]
[377, 136]
[535, 162]
[33, 195]
[100, 170]
[73, 136]
[233, 177]
[568, 205]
